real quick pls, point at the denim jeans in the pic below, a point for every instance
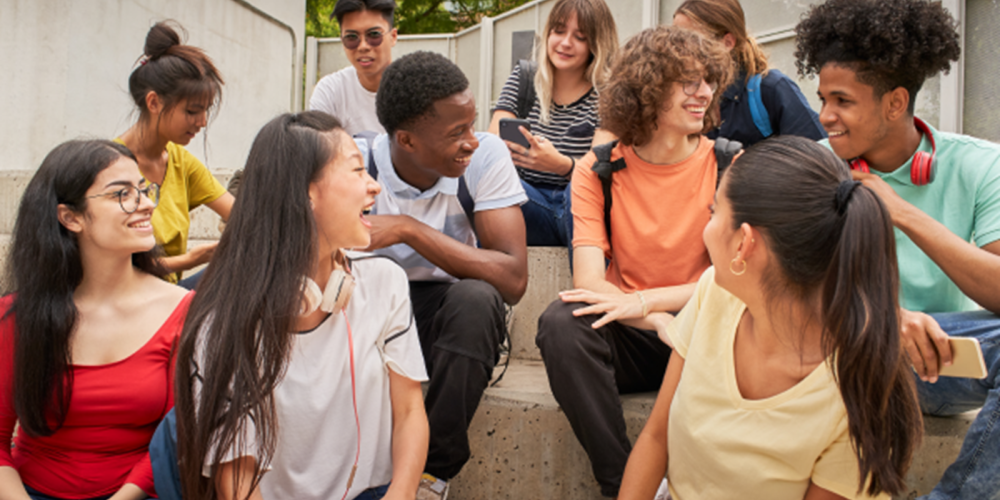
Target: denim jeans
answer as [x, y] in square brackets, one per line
[976, 472]
[548, 219]
[373, 493]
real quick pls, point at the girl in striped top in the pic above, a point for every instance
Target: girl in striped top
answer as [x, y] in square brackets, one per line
[574, 61]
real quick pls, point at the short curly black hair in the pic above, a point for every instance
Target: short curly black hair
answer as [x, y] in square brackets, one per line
[888, 43]
[412, 84]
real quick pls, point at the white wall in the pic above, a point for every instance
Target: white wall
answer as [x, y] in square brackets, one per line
[66, 65]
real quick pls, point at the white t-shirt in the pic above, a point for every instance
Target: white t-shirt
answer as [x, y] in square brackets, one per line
[724, 446]
[492, 182]
[317, 435]
[341, 95]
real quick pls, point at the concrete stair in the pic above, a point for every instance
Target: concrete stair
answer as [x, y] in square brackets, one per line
[523, 447]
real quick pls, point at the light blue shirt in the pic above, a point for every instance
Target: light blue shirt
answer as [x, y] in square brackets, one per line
[965, 197]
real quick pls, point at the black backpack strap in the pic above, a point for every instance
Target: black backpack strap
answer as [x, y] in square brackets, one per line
[466, 200]
[525, 87]
[604, 167]
[369, 137]
[725, 151]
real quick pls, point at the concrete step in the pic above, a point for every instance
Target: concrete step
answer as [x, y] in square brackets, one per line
[523, 447]
[548, 274]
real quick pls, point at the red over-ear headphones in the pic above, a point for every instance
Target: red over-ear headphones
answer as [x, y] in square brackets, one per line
[923, 165]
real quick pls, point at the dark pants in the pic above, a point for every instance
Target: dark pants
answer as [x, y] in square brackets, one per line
[460, 327]
[587, 370]
[37, 495]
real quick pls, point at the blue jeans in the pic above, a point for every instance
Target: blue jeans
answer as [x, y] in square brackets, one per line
[976, 472]
[191, 282]
[375, 493]
[547, 216]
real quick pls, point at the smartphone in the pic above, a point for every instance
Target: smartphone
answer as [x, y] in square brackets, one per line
[967, 359]
[509, 131]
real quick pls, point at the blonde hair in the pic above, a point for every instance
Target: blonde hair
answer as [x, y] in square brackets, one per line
[719, 17]
[594, 19]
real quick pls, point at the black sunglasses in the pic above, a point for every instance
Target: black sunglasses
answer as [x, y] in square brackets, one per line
[352, 40]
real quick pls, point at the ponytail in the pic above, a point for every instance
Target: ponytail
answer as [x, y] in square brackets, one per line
[175, 71]
[860, 312]
[834, 236]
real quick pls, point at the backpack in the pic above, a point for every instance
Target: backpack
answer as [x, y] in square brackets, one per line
[757, 110]
[725, 151]
[464, 197]
[526, 87]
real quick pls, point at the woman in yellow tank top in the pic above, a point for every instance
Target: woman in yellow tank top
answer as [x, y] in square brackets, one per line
[175, 86]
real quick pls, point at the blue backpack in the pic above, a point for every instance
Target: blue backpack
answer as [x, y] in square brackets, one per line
[757, 109]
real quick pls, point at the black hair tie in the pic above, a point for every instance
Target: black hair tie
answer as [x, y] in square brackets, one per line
[843, 196]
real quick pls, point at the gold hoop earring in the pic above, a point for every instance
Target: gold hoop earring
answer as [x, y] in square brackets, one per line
[732, 262]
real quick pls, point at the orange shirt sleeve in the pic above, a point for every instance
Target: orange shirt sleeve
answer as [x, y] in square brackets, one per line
[588, 206]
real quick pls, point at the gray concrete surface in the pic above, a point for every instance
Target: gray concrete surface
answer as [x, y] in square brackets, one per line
[523, 447]
[548, 274]
[67, 65]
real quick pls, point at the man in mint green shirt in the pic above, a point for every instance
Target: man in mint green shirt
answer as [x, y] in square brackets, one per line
[872, 58]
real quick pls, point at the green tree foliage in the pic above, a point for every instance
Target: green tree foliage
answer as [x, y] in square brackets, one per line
[415, 16]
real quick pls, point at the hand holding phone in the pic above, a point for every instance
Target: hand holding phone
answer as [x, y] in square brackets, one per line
[510, 131]
[966, 359]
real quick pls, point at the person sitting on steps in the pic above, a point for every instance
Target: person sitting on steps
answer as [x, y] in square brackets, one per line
[449, 213]
[643, 214]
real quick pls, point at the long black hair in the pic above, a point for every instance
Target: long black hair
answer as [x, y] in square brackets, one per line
[43, 270]
[834, 237]
[247, 302]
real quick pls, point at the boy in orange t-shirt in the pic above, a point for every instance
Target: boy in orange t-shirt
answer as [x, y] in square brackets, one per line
[607, 336]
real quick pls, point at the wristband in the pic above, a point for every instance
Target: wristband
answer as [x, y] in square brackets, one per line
[645, 306]
[572, 165]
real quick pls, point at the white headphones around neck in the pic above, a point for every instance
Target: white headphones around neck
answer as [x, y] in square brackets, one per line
[338, 292]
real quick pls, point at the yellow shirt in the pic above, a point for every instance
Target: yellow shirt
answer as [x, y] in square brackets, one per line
[187, 185]
[722, 446]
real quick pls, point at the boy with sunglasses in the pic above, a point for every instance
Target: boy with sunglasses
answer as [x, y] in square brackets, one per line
[872, 58]
[367, 35]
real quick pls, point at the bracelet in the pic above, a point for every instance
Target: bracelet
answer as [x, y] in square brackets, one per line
[572, 165]
[645, 306]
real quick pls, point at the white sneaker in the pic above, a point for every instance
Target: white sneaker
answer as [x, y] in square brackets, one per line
[432, 488]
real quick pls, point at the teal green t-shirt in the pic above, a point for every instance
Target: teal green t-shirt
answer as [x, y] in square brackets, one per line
[965, 197]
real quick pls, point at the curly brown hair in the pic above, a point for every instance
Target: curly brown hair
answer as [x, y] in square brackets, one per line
[642, 79]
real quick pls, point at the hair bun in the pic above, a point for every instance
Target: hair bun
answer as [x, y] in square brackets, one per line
[161, 37]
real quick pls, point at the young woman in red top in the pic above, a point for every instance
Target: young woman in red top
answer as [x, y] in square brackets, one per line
[87, 336]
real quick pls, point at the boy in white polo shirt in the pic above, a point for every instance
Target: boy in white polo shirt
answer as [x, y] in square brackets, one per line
[367, 35]
[449, 213]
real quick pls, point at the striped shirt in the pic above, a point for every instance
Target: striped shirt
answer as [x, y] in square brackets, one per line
[570, 128]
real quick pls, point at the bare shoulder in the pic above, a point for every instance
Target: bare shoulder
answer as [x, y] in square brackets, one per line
[160, 294]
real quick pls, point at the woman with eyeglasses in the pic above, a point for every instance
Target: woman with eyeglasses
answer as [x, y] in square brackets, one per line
[175, 87]
[87, 333]
[573, 61]
[760, 102]
[600, 339]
